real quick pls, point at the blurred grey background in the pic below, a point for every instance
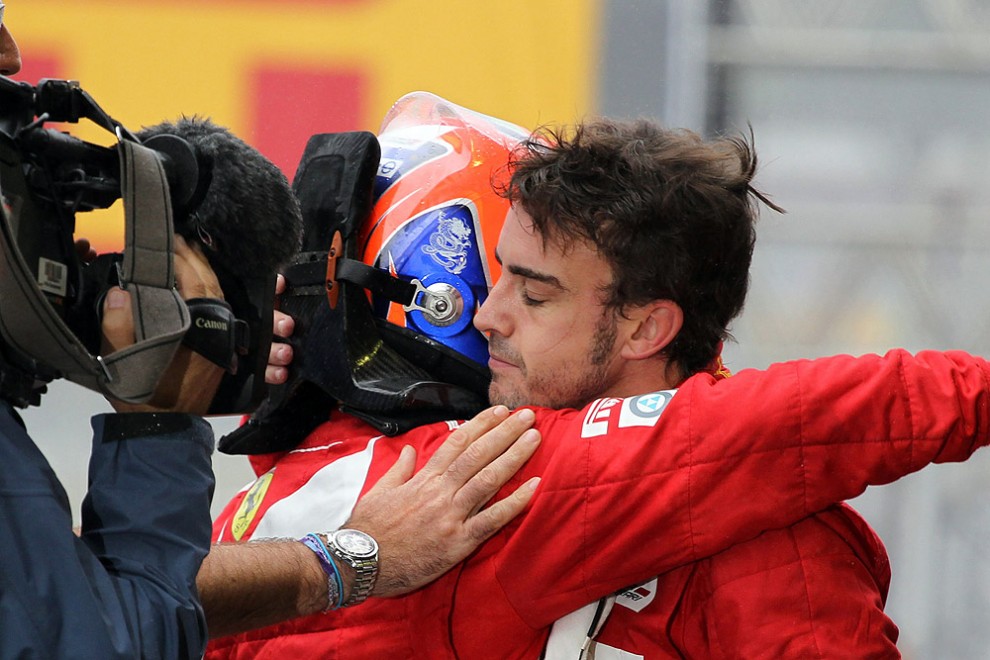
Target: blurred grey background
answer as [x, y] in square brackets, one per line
[872, 123]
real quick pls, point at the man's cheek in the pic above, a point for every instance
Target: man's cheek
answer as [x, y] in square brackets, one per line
[554, 341]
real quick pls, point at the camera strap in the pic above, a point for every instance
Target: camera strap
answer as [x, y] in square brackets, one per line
[147, 272]
[215, 333]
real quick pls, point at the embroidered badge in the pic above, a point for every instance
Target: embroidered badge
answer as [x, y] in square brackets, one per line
[638, 597]
[250, 505]
[644, 410]
[596, 420]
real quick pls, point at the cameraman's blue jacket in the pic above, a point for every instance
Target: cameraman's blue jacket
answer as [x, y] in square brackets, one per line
[126, 587]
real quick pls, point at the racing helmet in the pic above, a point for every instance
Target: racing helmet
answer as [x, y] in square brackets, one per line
[436, 218]
[397, 255]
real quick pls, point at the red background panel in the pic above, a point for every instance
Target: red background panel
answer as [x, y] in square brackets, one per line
[290, 104]
[40, 64]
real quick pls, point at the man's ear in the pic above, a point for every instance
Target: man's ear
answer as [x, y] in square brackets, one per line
[657, 323]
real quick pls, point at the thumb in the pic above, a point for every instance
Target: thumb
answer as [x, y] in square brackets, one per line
[118, 321]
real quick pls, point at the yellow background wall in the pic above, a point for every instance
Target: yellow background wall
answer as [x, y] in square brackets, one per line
[528, 61]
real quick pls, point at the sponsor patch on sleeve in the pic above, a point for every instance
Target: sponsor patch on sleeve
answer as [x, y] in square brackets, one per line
[642, 410]
[596, 421]
[638, 597]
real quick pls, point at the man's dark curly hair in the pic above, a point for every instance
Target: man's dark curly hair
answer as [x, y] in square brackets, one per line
[671, 212]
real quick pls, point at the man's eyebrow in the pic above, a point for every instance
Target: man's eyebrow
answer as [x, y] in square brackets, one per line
[531, 274]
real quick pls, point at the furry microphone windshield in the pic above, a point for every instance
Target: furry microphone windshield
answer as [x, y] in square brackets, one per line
[243, 211]
[239, 206]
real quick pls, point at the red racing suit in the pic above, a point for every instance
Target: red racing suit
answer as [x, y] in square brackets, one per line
[813, 590]
[646, 486]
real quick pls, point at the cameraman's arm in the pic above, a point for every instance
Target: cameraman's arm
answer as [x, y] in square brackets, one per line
[146, 518]
[124, 588]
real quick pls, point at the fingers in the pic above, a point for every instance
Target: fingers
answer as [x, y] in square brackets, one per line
[482, 525]
[193, 274]
[280, 354]
[276, 375]
[483, 451]
[118, 321]
[188, 383]
[195, 279]
[491, 476]
[85, 251]
[401, 470]
[283, 325]
[461, 438]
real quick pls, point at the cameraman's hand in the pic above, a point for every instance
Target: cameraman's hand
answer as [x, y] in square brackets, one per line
[190, 382]
[85, 251]
[280, 355]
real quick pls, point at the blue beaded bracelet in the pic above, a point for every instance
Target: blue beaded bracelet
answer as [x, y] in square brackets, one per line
[335, 588]
[336, 573]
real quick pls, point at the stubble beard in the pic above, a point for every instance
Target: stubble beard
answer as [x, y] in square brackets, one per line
[560, 387]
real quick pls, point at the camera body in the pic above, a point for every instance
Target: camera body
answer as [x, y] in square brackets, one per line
[47, 177]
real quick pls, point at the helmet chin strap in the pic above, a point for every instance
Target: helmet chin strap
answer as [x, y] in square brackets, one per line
[438, 304]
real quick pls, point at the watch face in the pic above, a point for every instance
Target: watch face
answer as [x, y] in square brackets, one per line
[356, 543]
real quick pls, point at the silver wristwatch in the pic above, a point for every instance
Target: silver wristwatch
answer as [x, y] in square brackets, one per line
[360, 552]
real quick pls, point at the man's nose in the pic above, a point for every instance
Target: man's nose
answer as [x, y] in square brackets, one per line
[491, 316]
[10, 54]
